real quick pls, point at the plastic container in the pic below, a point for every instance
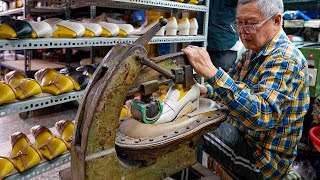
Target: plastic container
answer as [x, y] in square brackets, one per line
[314, 135]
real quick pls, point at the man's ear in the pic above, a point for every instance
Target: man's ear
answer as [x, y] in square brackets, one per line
[277, 19]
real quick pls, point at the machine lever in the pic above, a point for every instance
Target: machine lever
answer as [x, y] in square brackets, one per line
[156, 67]
[146, 37]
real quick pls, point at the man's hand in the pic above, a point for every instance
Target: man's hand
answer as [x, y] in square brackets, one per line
[200, 61]
[203, 90]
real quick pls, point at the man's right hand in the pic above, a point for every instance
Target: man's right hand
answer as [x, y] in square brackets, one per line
[203, 90]
[200, 61]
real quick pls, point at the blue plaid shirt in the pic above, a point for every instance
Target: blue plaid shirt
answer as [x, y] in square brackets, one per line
[267, 95]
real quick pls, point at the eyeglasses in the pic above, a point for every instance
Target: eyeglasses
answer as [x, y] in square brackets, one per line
[249, 28]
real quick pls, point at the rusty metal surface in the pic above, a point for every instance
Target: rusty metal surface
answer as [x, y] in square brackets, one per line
[150, 153]
[167, 62]
[153, 65]
[98, 116]
[110, 167]
[187, 131]
[189, 81]
[103, 113]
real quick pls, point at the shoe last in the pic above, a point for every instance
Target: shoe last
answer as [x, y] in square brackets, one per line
[87, 69]
[40, 29]
[6, 166]
[48, 144]
[109, 29]
[92, 29]
[141, 31]
[24, 154]
[183, 27]
[125, 30]
[7, 93]
[65, 129]
[171, 27]
[66, 29]
[193, 27]
[24, 87]
[54, 83]
[176, 100]
[12, 28]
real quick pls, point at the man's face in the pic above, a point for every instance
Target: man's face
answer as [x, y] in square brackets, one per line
[249, 14]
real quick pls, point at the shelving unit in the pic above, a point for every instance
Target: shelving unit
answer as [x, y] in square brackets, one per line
[37, 102]
[46, 100]
[46, 43]
[300, 1]
[20, 11]
[43, 167]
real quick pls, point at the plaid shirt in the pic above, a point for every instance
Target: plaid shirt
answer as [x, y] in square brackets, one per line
[267, 95]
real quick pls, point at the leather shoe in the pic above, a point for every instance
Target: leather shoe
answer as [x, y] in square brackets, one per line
[12, 28]
[7, 93]
[178, 102]
[24, 87]
[54, 83]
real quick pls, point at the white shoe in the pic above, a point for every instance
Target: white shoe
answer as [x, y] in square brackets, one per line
[67, 29]
[92, 29]
[109, 29]
[40, 29]
[173, 105]
[183, 27]
[171, 27]
[193, 31]
[141, 31]
[52, 22]
[116, 21]
[125, 29]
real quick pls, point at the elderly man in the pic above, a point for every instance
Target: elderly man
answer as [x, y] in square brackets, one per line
[266, 92]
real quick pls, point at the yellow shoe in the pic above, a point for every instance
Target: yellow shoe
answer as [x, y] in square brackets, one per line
[24, 86]
[66, 29]
[125, 112]
[7, 93]
[6, 166]
[48, 144]
[54, 83]
[65, 129]
[12, 28]
[76, 85]
[24, 154]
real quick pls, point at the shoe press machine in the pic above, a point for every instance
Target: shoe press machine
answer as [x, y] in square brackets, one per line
[101, 151]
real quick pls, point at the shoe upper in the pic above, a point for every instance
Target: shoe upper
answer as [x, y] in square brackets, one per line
[173, 104]
[172, 23]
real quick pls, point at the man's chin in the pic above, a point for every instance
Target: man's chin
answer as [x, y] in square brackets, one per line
[247, 44]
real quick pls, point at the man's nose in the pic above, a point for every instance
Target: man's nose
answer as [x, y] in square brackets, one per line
[243, 30]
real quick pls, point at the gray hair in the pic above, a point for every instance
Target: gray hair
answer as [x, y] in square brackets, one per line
[267, 7]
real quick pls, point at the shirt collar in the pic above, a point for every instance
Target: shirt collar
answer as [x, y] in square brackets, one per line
[273, 44]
